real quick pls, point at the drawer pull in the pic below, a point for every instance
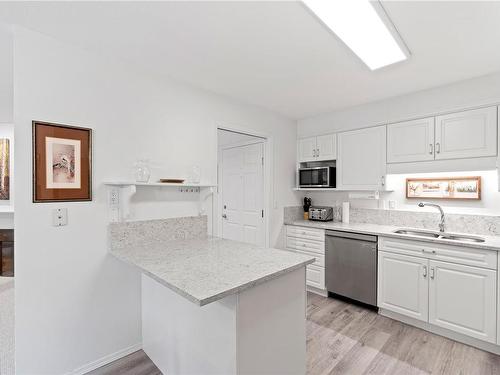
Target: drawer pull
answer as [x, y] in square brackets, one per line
[425, 271]
[428, 251]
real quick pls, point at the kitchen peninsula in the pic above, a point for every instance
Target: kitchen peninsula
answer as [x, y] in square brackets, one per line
[215, 306]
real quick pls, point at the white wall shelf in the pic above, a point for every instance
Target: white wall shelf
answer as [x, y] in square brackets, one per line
[155, 184]
[120, 194]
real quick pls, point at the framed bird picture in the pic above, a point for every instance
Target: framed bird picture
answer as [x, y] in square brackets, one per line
[62, 163]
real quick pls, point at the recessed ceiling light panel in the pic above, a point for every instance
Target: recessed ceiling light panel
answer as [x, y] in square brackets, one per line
[364, 27]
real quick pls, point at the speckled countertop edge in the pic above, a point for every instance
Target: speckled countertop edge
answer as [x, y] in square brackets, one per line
[230, 291]
[491, 242]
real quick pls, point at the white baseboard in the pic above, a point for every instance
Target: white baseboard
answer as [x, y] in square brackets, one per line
[321, 292]
[106, 359]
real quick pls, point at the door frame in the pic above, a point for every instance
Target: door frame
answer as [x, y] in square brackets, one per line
[268, 193]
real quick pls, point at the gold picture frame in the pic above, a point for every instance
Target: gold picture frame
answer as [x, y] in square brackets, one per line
[457, 188]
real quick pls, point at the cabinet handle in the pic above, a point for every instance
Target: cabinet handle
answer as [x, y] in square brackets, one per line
[317, 152]
[429, 251]
[382, 180]
[430, 148]
[432, 272]
[438, 148]
[314, 152]
[425, 271]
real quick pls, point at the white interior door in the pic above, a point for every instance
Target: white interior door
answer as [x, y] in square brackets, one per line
[243, 194]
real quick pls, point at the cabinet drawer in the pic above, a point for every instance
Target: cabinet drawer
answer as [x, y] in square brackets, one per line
[306, 233]
[448, 253]
[299, 244]
[315, 276]
[320, 259]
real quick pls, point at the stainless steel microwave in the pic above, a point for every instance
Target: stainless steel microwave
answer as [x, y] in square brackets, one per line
[317, 177]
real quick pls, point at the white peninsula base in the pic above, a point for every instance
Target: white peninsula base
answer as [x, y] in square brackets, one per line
[261, 330]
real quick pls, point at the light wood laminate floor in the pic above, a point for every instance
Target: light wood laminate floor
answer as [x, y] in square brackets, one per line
[347, 339]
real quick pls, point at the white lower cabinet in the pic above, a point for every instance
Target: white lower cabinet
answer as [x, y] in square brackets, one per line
[315, 276]
[309, 241]
[463, 299]
[402, 284]
[457, 297]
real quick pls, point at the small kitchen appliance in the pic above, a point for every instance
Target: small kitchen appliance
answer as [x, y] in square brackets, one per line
[317, 177]
[321, 213]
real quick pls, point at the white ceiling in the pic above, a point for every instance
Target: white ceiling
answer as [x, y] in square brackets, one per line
[275, 54]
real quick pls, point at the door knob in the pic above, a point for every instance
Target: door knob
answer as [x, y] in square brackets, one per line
[224, 216]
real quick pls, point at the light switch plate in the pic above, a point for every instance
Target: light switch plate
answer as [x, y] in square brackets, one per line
[60, 217]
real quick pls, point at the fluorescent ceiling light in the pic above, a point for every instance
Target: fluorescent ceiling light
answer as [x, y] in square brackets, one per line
[362, 29]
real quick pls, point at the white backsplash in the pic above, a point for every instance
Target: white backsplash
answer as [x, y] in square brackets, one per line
[462, 223]
[139, 233]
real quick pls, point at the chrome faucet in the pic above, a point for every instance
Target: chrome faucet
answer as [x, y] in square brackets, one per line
[441, 223]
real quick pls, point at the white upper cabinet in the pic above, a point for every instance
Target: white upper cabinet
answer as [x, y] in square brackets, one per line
[326, 146]
[307, 149]
[319, 148]
[467, 134]
[361, 162]
[410, 141]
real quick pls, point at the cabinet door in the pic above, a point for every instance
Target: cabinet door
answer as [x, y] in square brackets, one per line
[467, 134]
[361, 162]
[327, 147]
[307, 149]
[402, 285]
[410, 141]
[463, 299]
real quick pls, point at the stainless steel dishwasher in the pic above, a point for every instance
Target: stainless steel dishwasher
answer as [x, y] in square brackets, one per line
[351, 266]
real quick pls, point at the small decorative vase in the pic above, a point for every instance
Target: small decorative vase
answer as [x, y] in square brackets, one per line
[142, 170]
[194, 175]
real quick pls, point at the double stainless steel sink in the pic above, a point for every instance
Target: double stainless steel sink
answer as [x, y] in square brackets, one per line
[440, 235]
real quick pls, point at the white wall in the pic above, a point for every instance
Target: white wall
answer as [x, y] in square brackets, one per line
[470, 93]
[74, 303]
[466, 94]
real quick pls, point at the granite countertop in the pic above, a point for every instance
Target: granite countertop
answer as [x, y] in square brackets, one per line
[490, 243]
[208, 269]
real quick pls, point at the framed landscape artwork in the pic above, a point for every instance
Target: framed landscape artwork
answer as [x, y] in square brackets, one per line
[62, 163]
[444, 188]
[4, 169]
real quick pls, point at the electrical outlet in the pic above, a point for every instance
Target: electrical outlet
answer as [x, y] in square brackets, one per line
[114, 197]
[189, 189]
[60, 217]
